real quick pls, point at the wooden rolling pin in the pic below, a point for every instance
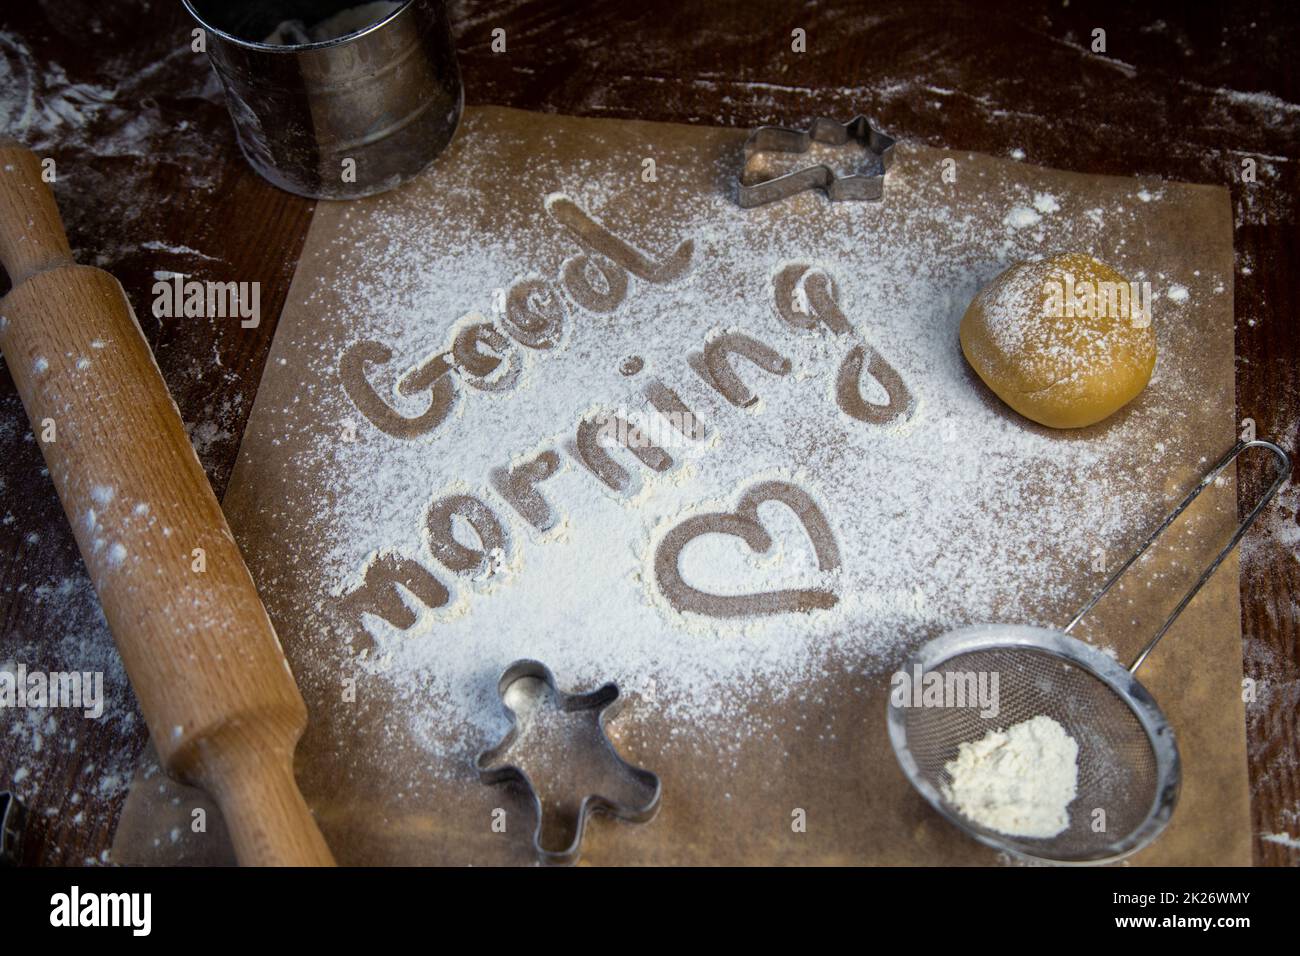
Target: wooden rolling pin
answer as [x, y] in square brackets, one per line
[206, 665]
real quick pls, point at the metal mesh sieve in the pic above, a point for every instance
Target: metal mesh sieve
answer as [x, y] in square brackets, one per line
[1128, 766]
[1128, 762]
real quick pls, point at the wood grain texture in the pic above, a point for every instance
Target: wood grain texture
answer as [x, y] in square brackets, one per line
[196, 641]
[1183, 93]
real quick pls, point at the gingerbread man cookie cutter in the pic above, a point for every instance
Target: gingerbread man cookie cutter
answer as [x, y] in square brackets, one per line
[606, 702]
[754, 189]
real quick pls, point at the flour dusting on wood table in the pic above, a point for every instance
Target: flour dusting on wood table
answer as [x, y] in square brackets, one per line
[533, 405]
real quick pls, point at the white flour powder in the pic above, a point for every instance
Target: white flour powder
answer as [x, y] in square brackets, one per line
[1018, 781]
[958, 514]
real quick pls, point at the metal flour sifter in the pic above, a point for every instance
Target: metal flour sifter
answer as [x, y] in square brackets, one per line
[355, 105]
[1128, 759]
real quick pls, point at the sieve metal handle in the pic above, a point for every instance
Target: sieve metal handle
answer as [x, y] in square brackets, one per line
[1284, 472]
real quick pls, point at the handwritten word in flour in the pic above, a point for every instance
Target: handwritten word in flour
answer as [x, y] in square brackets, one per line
[485, 356]
[805, 300]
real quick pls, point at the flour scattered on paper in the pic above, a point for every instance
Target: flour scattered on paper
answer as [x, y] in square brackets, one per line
[1019, 781]
[1046, 203]
[1021, 217]
[959, 493]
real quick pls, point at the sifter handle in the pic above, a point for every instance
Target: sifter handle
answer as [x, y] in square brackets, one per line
[1284, 472]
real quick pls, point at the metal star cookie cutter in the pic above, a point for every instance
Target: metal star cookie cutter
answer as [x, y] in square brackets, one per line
[779, 139]
[607, 703]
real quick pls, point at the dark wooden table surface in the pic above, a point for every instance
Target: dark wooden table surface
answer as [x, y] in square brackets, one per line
[151, 182]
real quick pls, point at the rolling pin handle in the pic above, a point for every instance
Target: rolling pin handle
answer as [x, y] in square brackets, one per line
[250, 775]
[31, 233]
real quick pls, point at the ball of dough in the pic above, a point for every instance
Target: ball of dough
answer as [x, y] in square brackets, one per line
[1065, 341]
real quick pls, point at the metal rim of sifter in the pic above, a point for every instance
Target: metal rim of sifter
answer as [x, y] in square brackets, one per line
[289, 49]
[1048, 655]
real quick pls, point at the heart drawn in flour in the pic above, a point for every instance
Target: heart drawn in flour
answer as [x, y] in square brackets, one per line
[745, 524]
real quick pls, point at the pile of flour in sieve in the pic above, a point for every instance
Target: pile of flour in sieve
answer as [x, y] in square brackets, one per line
[1019, 781]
